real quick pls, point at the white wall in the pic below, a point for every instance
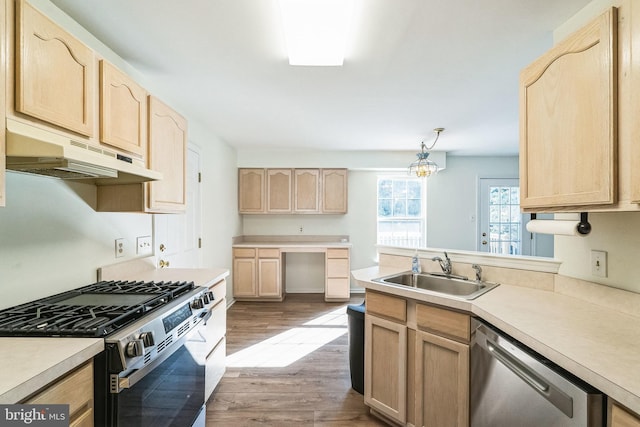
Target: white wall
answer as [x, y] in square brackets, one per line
[51, 239]
[452, 197]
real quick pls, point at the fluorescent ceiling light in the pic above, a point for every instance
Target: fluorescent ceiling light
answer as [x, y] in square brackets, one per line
[316, 31]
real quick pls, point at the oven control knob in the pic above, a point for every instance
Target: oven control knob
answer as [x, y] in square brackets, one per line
[210, 295]
[205, 298]
[147, 339]
[197, 303]
[135, 348]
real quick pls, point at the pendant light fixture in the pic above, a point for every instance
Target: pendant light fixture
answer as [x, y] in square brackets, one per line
[423, 167]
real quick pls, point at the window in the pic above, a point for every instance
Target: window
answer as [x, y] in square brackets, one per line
[401, 211]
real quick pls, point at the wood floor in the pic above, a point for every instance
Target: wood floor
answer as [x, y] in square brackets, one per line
[288, 365]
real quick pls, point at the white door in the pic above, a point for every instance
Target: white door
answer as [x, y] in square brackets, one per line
[501, 226]
[177, 236]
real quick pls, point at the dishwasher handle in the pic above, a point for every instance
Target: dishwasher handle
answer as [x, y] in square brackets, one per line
[546, 389]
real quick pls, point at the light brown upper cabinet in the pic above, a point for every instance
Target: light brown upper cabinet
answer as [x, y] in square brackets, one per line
[568, 121]
[279, 190]
[334, 191]
[167, 154]
[297, 191]
[251, 190]
[306, 191]
[123, 111]
[55, 73]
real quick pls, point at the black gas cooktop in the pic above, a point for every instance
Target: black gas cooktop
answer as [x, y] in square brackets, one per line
[95, 310]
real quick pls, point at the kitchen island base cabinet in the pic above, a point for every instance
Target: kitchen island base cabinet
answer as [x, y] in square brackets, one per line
[620, 417]
[74, 389]
[416, 362]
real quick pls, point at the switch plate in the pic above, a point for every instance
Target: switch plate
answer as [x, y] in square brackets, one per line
[144, 245]
[120, 248]
[599, 263]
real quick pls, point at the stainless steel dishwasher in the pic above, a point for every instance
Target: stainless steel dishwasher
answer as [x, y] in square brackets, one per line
[511, 385]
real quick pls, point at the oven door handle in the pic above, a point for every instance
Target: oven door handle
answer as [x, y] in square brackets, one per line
[118, 383]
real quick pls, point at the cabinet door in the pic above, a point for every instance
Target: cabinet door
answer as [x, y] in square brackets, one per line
[251, 189]
[123, 111]
[441, 381]
[55, 73]
[620, 417]
[279, 190]
[568, 108]
[269, 283]
[167, 154]
[385, 364]
[334, 191]
[244, 277]
[306, 191]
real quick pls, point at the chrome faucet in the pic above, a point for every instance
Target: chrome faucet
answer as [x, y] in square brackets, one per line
[478, 270]
[445, 264]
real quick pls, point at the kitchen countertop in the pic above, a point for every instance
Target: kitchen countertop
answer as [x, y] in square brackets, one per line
[597, 344]
[292, 243]
[31, 363]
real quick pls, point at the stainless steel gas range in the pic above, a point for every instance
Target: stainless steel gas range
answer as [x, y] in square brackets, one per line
[146, 376]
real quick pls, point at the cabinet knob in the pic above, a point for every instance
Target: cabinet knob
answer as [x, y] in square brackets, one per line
[484, 242]
[162, 247]
[163, 263]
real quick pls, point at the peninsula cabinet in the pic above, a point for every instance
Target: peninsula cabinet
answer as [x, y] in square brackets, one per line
[385, 356]
[416, 362]
[292, 191]
[258, 274]
[74, 389]
[620, 417]
[123, 111]
[568, 121]
[55, 73]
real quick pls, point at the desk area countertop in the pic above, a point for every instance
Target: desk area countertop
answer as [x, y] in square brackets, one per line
[599, 344]
[293, 243]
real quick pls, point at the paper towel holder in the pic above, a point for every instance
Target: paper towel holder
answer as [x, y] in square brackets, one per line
[583, 227]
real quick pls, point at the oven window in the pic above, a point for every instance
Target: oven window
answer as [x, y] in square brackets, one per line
[170, 395]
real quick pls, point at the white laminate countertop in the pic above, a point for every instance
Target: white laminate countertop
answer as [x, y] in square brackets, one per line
[28, 364]
[597, 344]
[293, 245]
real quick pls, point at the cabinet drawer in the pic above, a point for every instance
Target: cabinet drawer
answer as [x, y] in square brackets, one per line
[268, 253]
[387, 306]
[337, 267]
[244, 252]
[337, 253]
[621, 418]
[75, 389]
[338, 288]
[444, 322]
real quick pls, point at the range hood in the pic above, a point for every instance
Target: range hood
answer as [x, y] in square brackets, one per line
[38, 151]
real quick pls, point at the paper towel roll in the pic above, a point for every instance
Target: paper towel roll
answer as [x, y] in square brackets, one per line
[550, 226]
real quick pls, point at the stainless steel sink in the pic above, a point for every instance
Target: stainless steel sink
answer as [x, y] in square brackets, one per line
[457, 286]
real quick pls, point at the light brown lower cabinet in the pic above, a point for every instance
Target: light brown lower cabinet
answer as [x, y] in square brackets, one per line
[74, 389]
[258, 274]
[620, 417]
[416, 362]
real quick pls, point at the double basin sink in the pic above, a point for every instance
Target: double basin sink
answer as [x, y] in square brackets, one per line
[439, 283]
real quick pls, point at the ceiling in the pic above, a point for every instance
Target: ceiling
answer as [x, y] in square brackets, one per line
[412, 66]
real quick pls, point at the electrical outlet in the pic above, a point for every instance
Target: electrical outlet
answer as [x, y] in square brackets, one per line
[301, 229]
[599, 263]
[144, 245]
[120, 248]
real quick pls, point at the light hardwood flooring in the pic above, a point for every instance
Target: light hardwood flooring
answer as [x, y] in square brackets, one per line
[288, 365]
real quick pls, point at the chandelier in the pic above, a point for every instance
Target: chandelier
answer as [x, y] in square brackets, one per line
[423, 167]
